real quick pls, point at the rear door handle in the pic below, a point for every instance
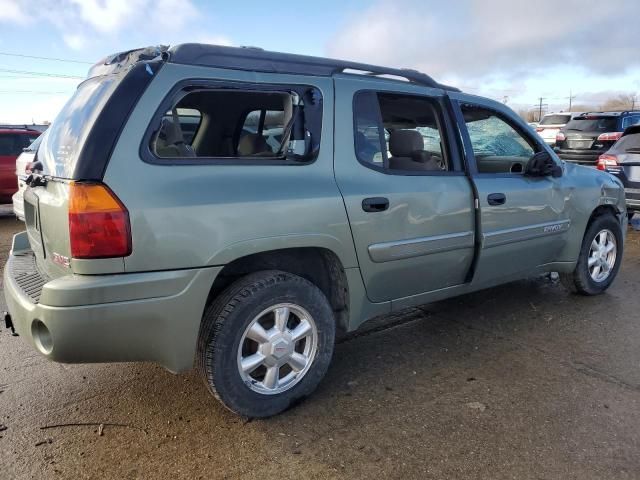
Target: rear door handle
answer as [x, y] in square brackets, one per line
[496, 198]
[375, 204]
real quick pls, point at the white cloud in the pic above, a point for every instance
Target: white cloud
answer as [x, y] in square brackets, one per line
[477, 38]
[11, 12]
[215, 40]
[74, 41]
[83, 23]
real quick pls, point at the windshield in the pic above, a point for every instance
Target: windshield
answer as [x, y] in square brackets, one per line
[555, 119]
[593, 124]
[63, 140]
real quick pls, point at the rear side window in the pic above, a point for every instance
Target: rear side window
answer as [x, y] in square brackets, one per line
[399, 133]
[189, 120]
[267, 126]
[283, 123]
[630, 120]
[592, 124]
[555, 119]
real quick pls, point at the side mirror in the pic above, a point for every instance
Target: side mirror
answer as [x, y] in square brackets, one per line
[541, 164]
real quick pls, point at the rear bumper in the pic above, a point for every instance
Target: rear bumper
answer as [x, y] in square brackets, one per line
[633, 201]
[584, 157]
[18, 205]
[153, 316]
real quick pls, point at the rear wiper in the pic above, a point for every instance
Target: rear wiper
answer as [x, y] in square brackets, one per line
[573, 129]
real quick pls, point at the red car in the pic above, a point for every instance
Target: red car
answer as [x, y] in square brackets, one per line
[12, 141]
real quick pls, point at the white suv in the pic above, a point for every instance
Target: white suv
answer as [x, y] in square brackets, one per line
[27, 156]
[551, 124]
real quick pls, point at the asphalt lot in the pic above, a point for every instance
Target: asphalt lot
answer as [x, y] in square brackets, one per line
[521, 381]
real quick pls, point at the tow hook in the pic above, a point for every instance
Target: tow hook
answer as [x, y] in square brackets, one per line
[8, 323]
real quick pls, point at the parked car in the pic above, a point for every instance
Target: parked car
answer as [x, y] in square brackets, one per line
[12, 141]
[23, 165]
[589, 135]
[249, 256]
[551, 124]
[623, 161]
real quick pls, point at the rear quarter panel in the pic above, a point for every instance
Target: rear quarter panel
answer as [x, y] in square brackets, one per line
[185, 216]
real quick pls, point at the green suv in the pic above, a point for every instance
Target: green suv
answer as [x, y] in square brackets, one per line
[236, 209]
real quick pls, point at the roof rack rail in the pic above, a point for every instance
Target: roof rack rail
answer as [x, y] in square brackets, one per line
[21, 126]
[254, 59]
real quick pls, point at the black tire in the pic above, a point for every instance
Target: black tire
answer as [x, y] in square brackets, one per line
[580, 280]
[224, 324]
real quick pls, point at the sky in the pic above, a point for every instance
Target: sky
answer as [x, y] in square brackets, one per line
[511, 50]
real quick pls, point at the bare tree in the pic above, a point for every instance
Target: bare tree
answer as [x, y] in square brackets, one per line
[625, 101]
[583, 108]
[528, 115]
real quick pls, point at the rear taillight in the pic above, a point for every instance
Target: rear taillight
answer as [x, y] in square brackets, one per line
[560, 137]
[605, 161]
[610, 137]
[98, 222]
[540, 129]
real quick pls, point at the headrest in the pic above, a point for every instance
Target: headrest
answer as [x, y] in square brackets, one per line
[170, 133]
[252, 144]
[403, 142]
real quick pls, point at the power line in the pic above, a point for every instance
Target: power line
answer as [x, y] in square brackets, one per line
[41, 74]
[32, 91]
[53, 59]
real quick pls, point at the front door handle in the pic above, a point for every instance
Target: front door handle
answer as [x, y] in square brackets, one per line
[375, 204]
[496, 198]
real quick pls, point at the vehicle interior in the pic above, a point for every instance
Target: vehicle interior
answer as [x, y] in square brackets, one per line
[412, 133]
[216, 123]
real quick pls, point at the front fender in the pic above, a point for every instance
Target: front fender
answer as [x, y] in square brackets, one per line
[587, 189]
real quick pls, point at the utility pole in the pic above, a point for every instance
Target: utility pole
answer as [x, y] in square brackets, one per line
[571, 97]
[540, 110]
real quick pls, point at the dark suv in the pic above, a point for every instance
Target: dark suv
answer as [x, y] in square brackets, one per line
[591, 134]
[623, 161]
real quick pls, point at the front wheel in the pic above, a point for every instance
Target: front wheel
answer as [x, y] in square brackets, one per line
[266, 343]
[599, 259]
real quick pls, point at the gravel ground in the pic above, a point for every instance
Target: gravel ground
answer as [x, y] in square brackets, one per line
[521, 381]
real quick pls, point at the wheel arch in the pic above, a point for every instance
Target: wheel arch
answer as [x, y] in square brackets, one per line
[319, 265]
[603, 209]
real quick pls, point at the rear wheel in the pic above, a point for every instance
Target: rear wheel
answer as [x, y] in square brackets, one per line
[599, 259]
[266, 343]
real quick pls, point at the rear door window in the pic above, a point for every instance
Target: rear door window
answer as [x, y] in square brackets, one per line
[399, 133]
